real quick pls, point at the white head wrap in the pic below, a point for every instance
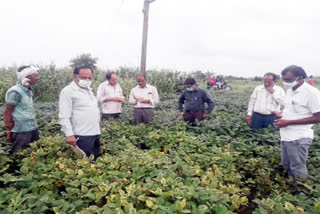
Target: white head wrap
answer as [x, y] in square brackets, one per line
[22, 75]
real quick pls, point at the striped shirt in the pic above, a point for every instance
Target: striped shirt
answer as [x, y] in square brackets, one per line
[263, 102]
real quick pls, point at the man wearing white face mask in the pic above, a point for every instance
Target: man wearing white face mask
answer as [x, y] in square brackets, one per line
[301, 111]
[79, 114]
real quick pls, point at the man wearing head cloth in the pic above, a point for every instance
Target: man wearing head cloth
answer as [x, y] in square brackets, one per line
[19, 115]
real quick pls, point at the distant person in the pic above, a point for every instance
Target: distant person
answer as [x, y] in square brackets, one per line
[19, 115]
[218, 82]
[111, 96]
[79, 115]
[212, 80]
[264, 104]
[143, 97]
[310, 81]
[301, 111]
[194, 99]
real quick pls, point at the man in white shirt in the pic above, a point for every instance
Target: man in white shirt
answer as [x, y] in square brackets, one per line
[263, 104]
[79, 114]
[144, 97]
[301, 111]
[111, 96]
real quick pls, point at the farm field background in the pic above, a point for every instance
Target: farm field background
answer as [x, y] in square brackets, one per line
[167, 166]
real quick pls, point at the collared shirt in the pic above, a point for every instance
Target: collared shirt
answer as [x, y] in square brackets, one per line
[299, 104]
[195, 101]
[263, 102]
[149, 92]
[78, 111]
[23, 114]
[106, 90]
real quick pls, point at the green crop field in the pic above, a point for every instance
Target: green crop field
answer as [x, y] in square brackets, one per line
[167, 166]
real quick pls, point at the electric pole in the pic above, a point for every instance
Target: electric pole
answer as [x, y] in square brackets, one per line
[145, 35]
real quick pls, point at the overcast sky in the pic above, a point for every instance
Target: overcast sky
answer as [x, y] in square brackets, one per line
[237, 37]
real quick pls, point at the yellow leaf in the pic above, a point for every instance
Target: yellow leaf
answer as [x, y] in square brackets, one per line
[149, 203]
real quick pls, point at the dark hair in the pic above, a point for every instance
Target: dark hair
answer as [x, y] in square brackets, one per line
[109, 74]
[274, 77]
[190, 81]
[297, 71]
[142, 74]
[77, 69]
[23, 67]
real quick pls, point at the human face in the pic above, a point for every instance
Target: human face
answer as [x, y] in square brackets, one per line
[290, 78]
[141, 81]
[84, 74]
[113, 80]
[33, 78]
[268, 81]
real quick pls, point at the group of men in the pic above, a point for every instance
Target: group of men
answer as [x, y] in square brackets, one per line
[293, 112]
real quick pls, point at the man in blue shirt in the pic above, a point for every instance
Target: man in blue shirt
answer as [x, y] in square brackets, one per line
[19, 115]
[194, 99]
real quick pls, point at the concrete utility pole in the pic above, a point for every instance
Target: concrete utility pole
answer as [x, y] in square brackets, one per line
[145, 35]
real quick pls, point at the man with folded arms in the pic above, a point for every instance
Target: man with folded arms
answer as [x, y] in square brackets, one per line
[143, 97]
[110, 95]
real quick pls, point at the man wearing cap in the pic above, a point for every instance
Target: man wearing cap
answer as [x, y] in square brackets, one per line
[301, 111]
[194, 99]
[143, 97]
[79, 115]
[19, 115]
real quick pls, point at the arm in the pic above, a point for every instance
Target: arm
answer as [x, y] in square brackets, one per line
[65, 112]
[315, 118]
[251, 104]
[210, 103]
[132, 99]
[155, 97]
[278, 95]
[8, 121]
[100, 93]
[181, 102]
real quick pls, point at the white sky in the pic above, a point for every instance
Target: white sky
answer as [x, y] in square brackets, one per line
[237, 37]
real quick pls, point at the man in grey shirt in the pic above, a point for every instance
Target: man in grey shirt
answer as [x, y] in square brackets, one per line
[194, 99]
[79, 114]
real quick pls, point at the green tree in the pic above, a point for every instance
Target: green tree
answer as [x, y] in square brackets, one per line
[84, 60]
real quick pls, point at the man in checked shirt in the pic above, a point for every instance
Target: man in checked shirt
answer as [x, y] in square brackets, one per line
[264, 106]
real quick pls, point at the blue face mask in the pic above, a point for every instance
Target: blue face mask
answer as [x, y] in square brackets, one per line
[190, 89]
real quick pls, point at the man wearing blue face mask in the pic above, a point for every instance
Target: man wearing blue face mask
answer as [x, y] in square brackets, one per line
[79, 115]
[194, 99]
[301, 111]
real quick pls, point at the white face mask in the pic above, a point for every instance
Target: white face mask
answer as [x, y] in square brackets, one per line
[290, 85]
[84, 83]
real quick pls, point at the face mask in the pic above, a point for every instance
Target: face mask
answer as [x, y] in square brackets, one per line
[190, 89]
[84, 83]
[290, 85]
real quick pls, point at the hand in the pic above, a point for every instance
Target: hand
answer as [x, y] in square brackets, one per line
[182, 113]
[139, 99]
[145, 101]
[9, 136]
[204, 115]
[72, 140]
[249, 119]
[278, 114]
[281, 123]
[270, 89]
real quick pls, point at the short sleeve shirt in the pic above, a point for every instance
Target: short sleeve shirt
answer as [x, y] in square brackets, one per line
[23, 114]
